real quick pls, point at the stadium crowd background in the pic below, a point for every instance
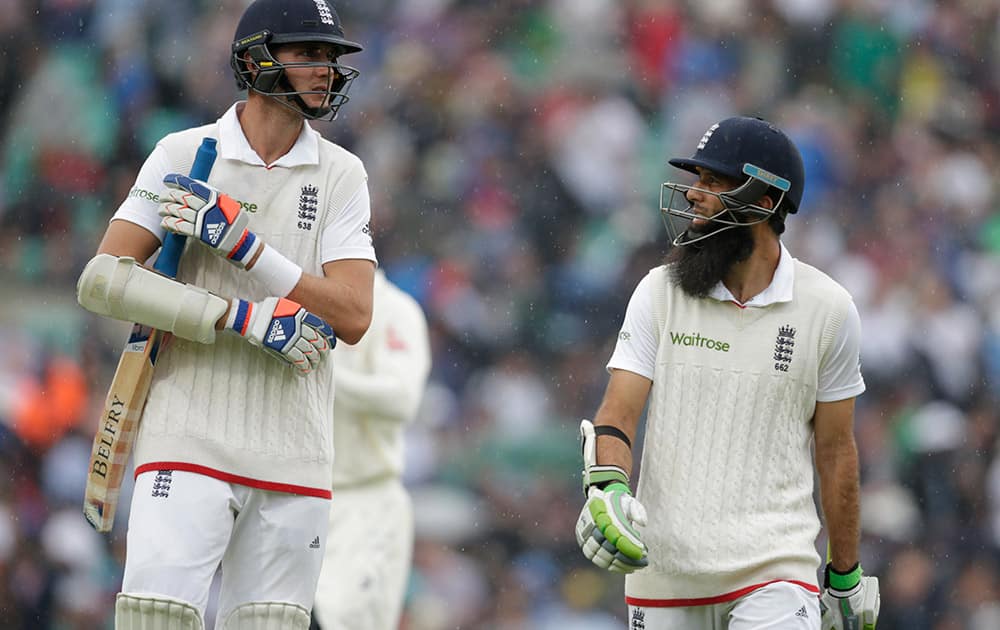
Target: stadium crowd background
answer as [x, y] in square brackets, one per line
[515, 151]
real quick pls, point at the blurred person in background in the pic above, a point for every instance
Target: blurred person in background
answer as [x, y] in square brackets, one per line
[747, 357]
[234, 454]
[379, 385]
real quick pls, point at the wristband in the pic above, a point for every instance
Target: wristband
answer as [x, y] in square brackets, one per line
[615, 432]
[247, 245]
[275, 272]
[239, 316]
[602, 476]
[843, 581]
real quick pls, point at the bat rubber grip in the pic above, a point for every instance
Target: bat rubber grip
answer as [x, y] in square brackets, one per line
[173, 244]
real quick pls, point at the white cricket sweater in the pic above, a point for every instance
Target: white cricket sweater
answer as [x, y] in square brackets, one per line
[380, 383]
[228, 410]
[727, 471]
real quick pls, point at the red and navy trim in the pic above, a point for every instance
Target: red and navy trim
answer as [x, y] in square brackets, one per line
[717, 599]
[287, 488]
[244, 245]
[242, 319]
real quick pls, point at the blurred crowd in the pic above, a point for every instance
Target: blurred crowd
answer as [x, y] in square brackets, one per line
[515, 151]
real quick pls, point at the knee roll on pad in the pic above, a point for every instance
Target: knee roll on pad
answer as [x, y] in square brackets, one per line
[123, 289]
[267, 616]
[146, 612]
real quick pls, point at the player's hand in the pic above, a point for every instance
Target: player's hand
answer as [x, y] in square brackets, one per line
[606, 530]
[283, 329]
[849, 601]
[192, 208]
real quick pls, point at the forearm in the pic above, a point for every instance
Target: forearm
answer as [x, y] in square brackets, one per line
[612, 451]
[606, 529]
[391, 397]
[621, 408]
[343, 299]
[839, 488]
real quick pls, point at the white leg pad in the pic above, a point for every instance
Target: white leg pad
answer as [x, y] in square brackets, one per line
[146, 612]
[267, 616]
[123, 289]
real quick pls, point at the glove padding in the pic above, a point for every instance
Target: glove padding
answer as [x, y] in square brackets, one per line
[194, 209]
[283, 329]
[854, 608]
[605, 530]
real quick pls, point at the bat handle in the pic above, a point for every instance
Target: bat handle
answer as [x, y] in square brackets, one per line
[173, 244]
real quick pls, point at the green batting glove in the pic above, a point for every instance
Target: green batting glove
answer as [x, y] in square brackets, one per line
[850, 601]
[606, 530]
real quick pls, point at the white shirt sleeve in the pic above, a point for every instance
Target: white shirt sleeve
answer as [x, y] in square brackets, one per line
[349, 235]
[637, 343]
[840, 370]
[144, 197]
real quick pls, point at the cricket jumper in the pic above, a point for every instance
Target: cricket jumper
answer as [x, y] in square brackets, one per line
[727, 471]
[228, 410]
[380, 382]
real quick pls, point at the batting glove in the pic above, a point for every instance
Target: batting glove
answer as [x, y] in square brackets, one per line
[605, 530]
[283, 329]
[849, 600]
[192, 208]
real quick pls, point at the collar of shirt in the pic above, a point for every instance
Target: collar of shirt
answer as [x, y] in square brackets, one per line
[780, 289]
[235, 146]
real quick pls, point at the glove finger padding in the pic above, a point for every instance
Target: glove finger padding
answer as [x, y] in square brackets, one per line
[195, 209]
[307, 350]
[324, 337]
[605, 530]
[177, 217]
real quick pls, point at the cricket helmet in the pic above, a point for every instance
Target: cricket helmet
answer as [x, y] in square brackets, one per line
[748, 150]
[267, 24]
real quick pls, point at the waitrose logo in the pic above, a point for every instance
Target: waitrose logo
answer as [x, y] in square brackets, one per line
[696, 340]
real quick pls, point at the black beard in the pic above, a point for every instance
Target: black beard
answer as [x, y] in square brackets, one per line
[700, 266]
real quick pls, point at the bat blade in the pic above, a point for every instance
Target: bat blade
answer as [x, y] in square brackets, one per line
[118, 426]
[126, 399]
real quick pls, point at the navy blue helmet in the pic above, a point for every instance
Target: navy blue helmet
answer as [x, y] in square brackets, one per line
[748, 150]
[267, 24]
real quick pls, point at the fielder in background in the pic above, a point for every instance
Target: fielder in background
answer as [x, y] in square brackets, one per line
[234, 453]
[748, 358]
[380, 383]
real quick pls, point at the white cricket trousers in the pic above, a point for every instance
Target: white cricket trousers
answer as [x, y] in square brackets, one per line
[183, 525]
[367, 563]
[777, 606]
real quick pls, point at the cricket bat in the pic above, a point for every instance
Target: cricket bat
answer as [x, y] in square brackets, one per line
[127, 396]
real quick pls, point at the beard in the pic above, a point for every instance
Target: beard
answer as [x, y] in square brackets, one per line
[700, 266]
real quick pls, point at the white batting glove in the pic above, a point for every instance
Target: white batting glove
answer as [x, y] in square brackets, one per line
[192, 208]
[283, 329]
[849, 601]
[605, 529]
